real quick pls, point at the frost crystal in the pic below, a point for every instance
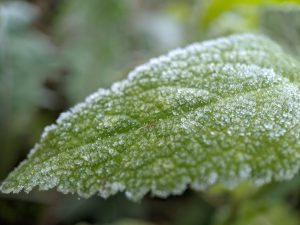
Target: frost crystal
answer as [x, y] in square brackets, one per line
[222, 111]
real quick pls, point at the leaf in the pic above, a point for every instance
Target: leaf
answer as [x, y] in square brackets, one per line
[274, 20]
[214, 8]
[242, 19]
[258, 212]
[268, 19]
[115, 42]
[26, 58]
[222, 111]
[104, 49]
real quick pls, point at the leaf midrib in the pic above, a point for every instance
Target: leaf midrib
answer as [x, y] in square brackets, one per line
[229, 98]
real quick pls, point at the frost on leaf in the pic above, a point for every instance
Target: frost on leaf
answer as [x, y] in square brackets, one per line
[222, 111]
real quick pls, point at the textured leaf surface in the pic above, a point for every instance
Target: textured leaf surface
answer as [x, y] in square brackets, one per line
[221, 111]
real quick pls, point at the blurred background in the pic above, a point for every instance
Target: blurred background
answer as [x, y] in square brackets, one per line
[53, 53]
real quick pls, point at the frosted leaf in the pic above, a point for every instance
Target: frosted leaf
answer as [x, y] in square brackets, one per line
[221, 111]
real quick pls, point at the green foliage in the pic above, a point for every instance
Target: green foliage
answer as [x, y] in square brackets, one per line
[258, 212]
[99, 42]
[274, 20]
[26, 58]
[212, 9]
[102, 39]
[242, 19]
[223, 111]
[90, 51]
[267, 17]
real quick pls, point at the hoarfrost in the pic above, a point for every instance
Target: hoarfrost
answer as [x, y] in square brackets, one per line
[221, 111]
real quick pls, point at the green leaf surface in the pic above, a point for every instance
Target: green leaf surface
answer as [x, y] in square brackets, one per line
[222, 111]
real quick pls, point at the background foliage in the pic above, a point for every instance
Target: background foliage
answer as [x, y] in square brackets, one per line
[55, 52]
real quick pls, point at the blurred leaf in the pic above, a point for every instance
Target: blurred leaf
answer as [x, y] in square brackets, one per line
[99, 210]
[212, 9]
[92, 43]
[96, 41]
[241, 192]
[243, 19]
[17, 16]
[26, 58]
[196, 212]
[258, 213]
[223, 111]
[282, 23]
[277, 191]
[101, 39]
[271, 20]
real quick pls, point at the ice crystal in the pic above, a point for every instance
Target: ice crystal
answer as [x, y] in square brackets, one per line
[221, 111]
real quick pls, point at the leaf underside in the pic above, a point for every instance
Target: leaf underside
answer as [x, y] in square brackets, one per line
[222, 111]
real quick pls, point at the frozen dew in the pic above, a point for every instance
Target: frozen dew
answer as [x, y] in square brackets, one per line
[222, 111]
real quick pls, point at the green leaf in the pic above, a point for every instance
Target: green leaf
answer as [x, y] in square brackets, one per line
[258, 212]
[212, 9]
[273, 22]
[27, 57]
[242, 19]
[115, 43]
[104, 49]
[222, 111]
